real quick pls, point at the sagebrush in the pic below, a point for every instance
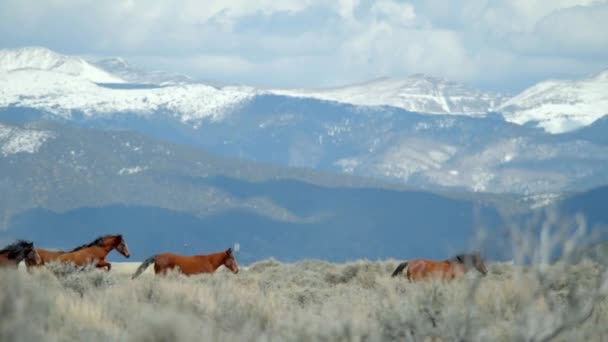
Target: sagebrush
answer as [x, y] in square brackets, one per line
[534, 298]
[309, 300]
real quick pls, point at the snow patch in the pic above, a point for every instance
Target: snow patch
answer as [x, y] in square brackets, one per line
[411, 157]
[541, 200]
[481, 180]
[348, 165]
[131, 170]
[17, 140]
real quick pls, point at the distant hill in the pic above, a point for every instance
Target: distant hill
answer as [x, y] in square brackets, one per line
[78, 183]
[67, 185]
[592, 204]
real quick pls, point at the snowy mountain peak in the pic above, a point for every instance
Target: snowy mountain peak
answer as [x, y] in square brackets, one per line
[416, 93]
[40, 58]
[133, 74]
[601, 76]
[559, 106]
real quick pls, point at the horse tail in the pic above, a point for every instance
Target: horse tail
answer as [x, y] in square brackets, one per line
[399, 269]
[143, 266]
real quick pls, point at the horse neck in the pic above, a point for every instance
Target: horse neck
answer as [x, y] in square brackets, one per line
[100, 251]
[216, 259]
[456, 263]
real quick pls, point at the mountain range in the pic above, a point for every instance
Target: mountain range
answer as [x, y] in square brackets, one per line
[67, 184]
[387, 168]
[420, 131]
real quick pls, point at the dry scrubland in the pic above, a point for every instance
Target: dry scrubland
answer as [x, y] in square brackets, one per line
[314, 300]
[310, 300]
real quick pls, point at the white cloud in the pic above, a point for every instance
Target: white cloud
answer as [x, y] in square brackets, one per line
[316, 43]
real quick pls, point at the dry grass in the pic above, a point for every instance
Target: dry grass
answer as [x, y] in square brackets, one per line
[310, 300]
[313, 300]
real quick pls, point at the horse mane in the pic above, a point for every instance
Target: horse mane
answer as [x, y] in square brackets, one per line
[96, 242]
[460, 258]
[16, 247]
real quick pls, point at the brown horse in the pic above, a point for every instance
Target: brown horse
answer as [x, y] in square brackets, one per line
[13, 254]
[420, 269]
[95, 252]
[46, 256]
[189, 265]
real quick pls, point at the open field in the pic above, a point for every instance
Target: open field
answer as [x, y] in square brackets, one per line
[309, 300]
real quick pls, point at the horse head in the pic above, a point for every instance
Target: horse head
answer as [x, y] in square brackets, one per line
[230, 261]
[121, 246]
[21, 250]
[32, 258]
[474, 260]
[479, 264]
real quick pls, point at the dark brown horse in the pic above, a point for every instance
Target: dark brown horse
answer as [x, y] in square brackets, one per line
[95, 252]
[13, 254]
[189, 265]
[420, 269]
[46, 256]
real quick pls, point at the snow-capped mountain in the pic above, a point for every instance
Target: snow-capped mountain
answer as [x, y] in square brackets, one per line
[380, 129]
[560, 106]
[62, 94]
[39, 58]
[417, 93]
[120, 67]
[42, 79]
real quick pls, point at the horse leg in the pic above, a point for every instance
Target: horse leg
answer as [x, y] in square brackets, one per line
[103, 263]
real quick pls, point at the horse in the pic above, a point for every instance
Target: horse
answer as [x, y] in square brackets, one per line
[13, 254]
[46, 256]
[95, 252]
[189, 265]
[446, 270]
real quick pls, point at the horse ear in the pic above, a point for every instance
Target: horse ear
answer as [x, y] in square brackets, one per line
[229, 251]
[460, 258]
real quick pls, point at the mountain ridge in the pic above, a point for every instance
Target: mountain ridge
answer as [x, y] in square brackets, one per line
[560, 106]
[40, 58]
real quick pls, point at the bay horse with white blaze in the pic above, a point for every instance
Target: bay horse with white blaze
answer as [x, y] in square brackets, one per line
[189, 265]
[95, 252]
[421, 269]
[13, 254]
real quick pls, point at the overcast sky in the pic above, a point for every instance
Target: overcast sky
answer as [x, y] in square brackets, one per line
[500, 45]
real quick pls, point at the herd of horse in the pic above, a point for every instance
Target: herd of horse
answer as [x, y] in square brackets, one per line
[95, 254]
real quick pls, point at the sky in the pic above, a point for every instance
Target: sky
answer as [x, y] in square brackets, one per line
[494, 45]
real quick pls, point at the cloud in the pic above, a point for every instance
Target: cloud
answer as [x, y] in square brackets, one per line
[507, 44]
[578, 32]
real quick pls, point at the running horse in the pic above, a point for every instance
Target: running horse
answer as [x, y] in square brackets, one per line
[46, 256]
[421, 269]
[13, 254]
[95, 252]
[189, 265]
